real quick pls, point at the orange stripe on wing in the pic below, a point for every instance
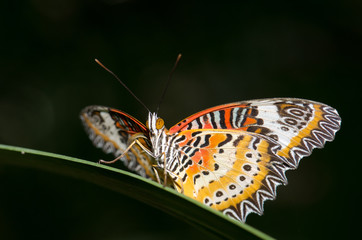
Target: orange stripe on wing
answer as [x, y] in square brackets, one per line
[227, 118]
[179, 126]
[126, 115]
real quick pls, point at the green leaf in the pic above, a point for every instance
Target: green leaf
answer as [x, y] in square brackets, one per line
[144, 190]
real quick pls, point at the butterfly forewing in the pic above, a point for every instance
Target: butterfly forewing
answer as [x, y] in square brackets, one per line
[111, 130]
[233, 157]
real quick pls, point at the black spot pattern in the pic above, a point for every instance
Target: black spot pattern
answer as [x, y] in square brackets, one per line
[194, 134]
[207, 141]
[205, 173]
[247, 167]
[229, 137]
[237, 140]
[196, 176]
[198, 139]
[219, 193]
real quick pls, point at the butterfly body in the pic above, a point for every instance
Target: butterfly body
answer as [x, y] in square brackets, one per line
[230, 157]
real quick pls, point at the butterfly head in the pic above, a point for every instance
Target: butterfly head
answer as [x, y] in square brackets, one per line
[154, 123]
[156, 126]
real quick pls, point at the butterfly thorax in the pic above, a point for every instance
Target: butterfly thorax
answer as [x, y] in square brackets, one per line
[163, 150]
[158, 134]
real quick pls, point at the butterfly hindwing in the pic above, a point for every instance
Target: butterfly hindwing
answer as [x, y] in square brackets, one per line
[111, 130]
[230, 170]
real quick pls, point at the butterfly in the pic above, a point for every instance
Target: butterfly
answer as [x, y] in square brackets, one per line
[230, 157]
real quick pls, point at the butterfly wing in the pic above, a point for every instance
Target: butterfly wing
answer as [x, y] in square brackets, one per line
[112, 130]
[297, 124]
[234, 156]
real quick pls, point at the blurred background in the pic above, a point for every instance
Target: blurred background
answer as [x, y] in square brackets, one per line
[231, 52]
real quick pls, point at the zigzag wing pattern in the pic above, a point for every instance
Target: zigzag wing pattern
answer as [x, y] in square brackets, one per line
[230, 171]
[235, 165]
[297, 124]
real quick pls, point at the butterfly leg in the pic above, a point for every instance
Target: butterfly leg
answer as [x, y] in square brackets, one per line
[165, 171]
[120, 156]
[125, 151]
[176, 185]
[135, 137]
[156, 174]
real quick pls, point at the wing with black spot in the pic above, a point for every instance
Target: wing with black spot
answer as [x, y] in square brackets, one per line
[235, 165]
[297, 124]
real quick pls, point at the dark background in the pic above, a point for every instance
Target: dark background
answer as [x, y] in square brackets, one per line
[231, 52]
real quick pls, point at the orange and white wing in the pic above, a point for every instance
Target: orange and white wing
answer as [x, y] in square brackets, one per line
[238, 158]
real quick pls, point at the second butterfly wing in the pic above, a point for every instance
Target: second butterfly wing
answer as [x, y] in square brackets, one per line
[111, 130]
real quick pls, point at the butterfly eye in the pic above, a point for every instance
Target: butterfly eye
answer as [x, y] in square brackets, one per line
[159, 123]
[147, 126]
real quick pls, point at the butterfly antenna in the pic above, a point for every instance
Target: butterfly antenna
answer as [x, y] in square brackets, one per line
[124, 85]
[168, 81]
